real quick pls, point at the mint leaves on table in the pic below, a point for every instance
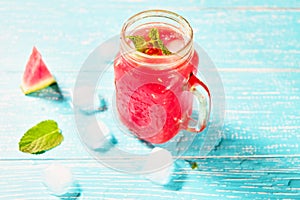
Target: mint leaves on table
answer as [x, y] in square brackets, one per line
[154, 46]
[41, 137]
[194, 165]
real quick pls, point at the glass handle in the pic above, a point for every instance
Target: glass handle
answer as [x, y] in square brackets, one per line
[201, 92]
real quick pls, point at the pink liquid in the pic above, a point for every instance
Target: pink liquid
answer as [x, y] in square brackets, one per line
[152, 102]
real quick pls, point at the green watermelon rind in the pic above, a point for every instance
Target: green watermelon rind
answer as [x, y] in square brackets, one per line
[41, 85]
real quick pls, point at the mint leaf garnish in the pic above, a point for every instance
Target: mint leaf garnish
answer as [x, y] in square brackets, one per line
[163, 48]
[139, 42]
[154, 43]
[154, 34]
[41, 137]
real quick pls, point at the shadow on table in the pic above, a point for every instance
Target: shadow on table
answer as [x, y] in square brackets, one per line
[52, 93]
[73, 193]
[178, 176]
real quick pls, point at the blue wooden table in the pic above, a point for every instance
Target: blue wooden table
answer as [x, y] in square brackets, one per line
[256, 50]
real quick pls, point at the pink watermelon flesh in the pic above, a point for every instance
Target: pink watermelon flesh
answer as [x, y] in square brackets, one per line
[36, 75]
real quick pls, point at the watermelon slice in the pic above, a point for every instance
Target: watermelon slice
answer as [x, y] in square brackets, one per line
[36, 75]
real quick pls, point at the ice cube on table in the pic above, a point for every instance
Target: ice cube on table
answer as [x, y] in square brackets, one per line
[159, 166]
[84, 100]
[59, 180]
[98, 140]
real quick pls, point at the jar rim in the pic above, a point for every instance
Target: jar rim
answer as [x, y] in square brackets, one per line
[157, 13]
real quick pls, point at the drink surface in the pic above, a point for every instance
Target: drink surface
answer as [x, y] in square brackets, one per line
[151, 102]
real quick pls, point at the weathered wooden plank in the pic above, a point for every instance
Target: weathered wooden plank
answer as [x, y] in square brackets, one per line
[233, 37]
[214, 179]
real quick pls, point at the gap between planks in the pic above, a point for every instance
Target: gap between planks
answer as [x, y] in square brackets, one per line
[181, 157]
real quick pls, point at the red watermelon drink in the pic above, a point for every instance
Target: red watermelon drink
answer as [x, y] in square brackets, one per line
[154, 77]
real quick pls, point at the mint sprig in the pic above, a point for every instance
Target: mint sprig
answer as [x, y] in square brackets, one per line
[154, 34]
[142, 45]
[163, 48]
[41, 137]
[139, 42]
[156, 41]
